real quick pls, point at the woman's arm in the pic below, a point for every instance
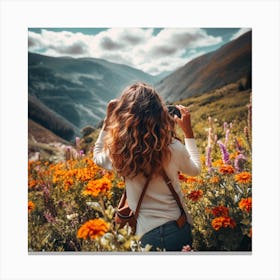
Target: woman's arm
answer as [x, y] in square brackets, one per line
[188, 157]
[101, 156]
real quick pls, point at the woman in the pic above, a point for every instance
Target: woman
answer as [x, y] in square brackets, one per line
[137, 139]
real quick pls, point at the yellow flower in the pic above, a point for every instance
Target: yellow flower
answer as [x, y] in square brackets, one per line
[121, 184]
[243, 177]
[93, 229]
[233, 155]
[217, 163]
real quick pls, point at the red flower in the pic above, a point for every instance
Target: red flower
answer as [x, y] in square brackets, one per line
[220, 211]
[195, 195]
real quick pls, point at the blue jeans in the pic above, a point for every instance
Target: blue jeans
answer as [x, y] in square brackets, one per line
[168, 237]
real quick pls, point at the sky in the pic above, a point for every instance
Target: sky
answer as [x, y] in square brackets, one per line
[152, 50]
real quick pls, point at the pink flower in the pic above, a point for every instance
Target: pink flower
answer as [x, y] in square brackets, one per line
[225, 154]
[187, 248]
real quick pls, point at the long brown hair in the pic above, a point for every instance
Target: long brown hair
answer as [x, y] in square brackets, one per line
[139, 131]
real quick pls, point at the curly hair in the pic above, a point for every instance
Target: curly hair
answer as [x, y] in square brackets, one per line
[139, 131]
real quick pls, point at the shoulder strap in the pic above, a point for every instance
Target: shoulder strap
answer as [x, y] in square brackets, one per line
[141, 196]
[171, 188]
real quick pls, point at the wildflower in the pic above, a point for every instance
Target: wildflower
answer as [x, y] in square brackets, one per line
[72, 216]
[233, 155]
[49, 217]
[218, 162]
[32, 183]
[225, 154]
[96, 187]
[77, 143]
[243, 177]
[68, 153]
[238, 144]
[109, 175]
[225, 126]
[245, 204]
[220, 211]
[31, 206]
[227, 136]
[182, 177]
[215, 180]
[239, 162]
[210, 136]
[187, 248]
[93, 229]
[208, 161]
[121, 184]
[224, 222]
[226, 169]
[190, 180]
[195, 195]
[246, 132]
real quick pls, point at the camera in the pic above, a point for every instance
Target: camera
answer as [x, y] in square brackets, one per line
[173, 110]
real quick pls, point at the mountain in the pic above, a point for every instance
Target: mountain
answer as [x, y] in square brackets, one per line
[67, 94]
[211, 71]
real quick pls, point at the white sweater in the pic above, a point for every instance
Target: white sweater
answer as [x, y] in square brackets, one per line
[158, 205]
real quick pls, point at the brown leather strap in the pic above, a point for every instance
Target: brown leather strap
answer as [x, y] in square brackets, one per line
[141, 196]
[171, 188]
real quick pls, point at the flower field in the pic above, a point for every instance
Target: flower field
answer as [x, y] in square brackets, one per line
[71, 203]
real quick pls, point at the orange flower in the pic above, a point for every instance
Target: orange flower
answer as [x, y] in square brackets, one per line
[195, 195]
[191, 180]
[226, 169]
[96, 187]
[224, 222]
[243, 177]
[245, 204]
[93, 229]
[220, 211]
[215, 180]
[109, 175]
[31, 183]
[31, 206]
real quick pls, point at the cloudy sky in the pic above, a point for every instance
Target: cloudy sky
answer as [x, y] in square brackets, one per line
[153, 50]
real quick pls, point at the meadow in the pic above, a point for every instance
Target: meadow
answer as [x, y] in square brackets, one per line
[71, 201]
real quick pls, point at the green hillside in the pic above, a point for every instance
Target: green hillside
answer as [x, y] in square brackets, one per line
[228, 104]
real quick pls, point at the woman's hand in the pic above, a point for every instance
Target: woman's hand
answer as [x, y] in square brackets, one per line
[185, 121]
[110, 108]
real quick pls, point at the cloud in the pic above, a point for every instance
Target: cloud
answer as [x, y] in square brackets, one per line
[136, 47]
[108, 44]
[60, 43]
[240, 32]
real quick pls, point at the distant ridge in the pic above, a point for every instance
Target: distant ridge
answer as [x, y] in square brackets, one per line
[228, 64]
[67, 94]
